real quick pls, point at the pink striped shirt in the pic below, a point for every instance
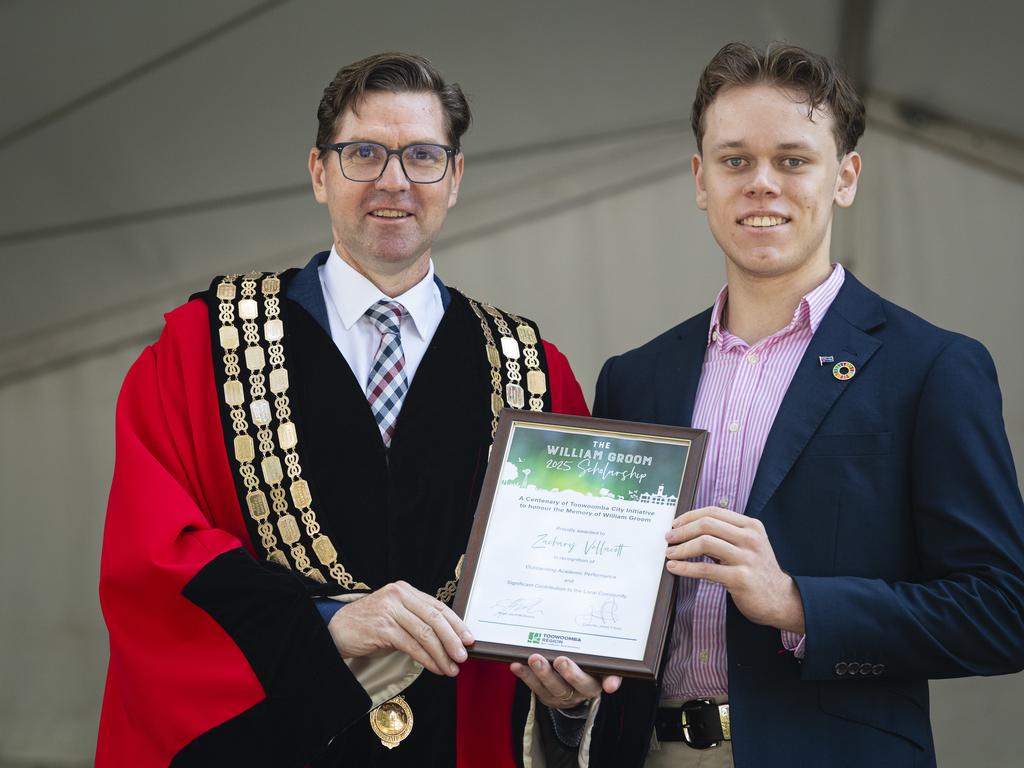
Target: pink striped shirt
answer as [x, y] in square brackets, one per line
[741, 389]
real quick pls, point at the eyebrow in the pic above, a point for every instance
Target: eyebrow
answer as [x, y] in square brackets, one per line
[378, 141]
[728, 145]
[785, 146]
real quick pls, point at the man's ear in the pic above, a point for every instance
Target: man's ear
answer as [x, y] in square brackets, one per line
[316, 175]
[458, 166]
[846, 181]
[697, 166]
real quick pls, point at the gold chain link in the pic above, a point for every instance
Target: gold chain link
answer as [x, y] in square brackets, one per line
[234, 396]
[536, 381]
[497, 401]
[514, 394]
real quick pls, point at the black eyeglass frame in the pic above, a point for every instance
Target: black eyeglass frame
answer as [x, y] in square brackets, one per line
[449, 153]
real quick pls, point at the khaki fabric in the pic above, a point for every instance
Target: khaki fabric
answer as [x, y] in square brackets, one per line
[675, 754]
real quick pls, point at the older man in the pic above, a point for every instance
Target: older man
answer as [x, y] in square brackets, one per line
[298, 463]
[859, 527]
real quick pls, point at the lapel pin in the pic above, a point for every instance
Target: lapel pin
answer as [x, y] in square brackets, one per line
[822, 359]
[844, 370]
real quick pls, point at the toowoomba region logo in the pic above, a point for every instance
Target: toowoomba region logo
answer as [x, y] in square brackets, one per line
[553, 640]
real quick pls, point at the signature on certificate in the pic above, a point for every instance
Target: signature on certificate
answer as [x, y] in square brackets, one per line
[526, 608]
[602, 613]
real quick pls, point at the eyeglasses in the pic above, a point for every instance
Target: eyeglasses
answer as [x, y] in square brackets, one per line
[366, 160]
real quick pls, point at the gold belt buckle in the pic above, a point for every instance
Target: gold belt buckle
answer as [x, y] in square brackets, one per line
[392, 721]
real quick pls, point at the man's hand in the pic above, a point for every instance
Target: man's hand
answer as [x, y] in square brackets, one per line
[564, 685]
[744, 563]
[399, 617]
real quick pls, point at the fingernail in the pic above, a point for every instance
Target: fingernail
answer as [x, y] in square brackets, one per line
[453, 669]
[461, 654]
[537, 664]
[467, 636]
[561, 666]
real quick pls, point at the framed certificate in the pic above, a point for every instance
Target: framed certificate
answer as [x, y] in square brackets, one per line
[567, 552]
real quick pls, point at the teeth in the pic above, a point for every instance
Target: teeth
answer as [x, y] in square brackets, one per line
[389, 213]
[763, 221]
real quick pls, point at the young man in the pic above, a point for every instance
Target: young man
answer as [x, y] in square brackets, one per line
[858, 528]
[298, 464]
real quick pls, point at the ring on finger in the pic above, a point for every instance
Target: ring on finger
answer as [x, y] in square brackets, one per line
[568, 695]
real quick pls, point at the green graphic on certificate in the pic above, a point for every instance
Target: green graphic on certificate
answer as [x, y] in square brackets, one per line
[632, 468]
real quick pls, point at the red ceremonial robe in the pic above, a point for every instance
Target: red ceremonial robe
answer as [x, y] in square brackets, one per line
[174, 672]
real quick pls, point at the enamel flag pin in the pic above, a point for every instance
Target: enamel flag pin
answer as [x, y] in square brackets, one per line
[822, 359]
[844, 370]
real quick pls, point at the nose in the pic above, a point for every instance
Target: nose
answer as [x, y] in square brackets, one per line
[762, 182]
[393, 179]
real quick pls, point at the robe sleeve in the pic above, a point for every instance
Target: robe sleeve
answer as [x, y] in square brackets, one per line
[566, 394]
[216, 657]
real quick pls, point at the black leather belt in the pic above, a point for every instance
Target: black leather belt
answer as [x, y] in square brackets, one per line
[700, 723]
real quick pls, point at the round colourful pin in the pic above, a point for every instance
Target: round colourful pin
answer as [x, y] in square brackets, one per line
[844, 370]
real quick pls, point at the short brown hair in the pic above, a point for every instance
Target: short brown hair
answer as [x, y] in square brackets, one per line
[786, 66]
[392, 73]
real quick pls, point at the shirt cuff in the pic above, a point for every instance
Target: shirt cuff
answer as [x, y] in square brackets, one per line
[382, 676]
[327, 608]
[791, 641]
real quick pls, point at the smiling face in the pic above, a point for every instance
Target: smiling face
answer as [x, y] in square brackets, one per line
[386, 227]
[768, 179]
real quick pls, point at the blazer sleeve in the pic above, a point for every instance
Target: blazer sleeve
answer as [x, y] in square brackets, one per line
[965, 615]
[602, 396]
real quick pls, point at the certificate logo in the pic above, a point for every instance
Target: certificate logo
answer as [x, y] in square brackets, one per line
[551, 640]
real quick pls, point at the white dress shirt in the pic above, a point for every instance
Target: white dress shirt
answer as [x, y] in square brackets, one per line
[348, 295]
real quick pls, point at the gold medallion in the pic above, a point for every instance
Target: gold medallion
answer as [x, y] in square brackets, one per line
[392, 721]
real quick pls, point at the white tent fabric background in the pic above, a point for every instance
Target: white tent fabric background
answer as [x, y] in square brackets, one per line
[116, 210]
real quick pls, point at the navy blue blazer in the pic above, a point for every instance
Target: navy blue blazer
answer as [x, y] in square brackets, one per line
[892, 500]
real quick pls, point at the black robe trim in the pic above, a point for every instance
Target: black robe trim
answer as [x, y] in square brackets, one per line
[310, 692]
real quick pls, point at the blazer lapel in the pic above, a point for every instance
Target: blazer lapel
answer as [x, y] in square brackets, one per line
[814, 389]
[681, 367]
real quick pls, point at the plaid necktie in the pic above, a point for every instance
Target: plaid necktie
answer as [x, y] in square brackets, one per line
[387, 385]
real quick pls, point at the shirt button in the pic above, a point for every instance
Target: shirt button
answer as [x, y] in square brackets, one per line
[752, 358]
[734, 427]
[723, 502]
[715, 336]
[703, 656]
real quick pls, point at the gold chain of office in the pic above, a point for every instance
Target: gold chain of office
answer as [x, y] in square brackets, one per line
[241, 302]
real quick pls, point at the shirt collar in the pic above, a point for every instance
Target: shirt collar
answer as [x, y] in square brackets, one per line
[811, 309]
[352, 294]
